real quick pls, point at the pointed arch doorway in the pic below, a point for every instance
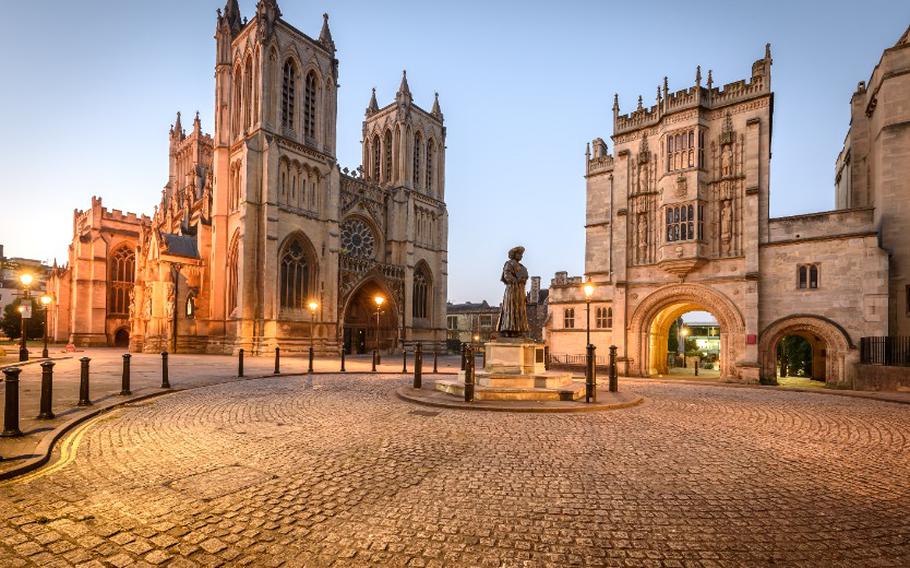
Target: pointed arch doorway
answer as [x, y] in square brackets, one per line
[360, 331]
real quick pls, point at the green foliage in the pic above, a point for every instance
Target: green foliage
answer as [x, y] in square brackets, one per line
[794, 356]
[11, 322]
[692, 347]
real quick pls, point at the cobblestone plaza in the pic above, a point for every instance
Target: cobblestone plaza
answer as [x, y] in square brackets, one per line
[334, 470]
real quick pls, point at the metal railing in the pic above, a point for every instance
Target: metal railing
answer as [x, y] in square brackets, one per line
[889, 351]
[567, 360]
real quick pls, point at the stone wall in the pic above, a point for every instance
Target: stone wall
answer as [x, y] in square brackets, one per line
[881, 378]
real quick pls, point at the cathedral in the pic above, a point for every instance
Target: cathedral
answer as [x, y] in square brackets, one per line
[260, 238]
[678, 221]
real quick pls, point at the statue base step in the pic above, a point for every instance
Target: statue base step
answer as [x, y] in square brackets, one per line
[565, 391]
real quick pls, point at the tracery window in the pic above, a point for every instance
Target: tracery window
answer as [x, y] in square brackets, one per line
[288, 94]
[387, 156]
[604, 318]
[122, 275]
[233, 275]
[681, 223]
[309, 106]
[416, 172]
[248, 93]
[237, 107]
[421, 294]
[357, 238]
[681, 150]
[431, 155]
[376, 149]
[808, 276]
[568, 318]
[295, 273]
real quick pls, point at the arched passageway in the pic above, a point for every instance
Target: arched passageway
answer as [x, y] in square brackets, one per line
[122, 338]
[362, 332]
[650, 324]
[832, 350]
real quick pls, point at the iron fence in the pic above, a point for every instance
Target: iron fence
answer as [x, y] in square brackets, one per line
[567, 360]
[889, 351]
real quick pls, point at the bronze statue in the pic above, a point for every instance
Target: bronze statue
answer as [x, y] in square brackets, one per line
[513, 313]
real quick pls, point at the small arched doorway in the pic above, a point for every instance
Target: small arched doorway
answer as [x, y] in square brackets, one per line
[122, 338]
[362, 331]
[832, 351]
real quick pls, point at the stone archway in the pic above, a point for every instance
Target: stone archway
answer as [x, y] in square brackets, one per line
[839, 352]
[360, 332]
[651, 320]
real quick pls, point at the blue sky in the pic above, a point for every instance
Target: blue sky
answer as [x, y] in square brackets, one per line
[92, 87]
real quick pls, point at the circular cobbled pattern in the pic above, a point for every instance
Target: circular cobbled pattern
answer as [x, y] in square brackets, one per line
[335, 470]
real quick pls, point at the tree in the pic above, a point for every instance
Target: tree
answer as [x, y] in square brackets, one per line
[794, 355]
[11, 322]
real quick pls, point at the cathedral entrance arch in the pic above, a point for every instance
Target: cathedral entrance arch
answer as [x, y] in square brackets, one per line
[832, 350]
[359, 328]
[650, 324]
[122, 337]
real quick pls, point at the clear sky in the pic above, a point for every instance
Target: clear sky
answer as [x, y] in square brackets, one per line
[91, 87]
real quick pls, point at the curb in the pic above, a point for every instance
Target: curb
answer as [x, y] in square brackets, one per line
[34, 361]
[404, 393]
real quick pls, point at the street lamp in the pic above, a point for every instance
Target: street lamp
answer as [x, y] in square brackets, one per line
[26, 310]
[684, 332]
[590, 388]
[379, 301]
[313, 306]
[46, 302]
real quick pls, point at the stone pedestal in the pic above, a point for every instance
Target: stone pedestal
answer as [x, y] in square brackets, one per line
[515, 370]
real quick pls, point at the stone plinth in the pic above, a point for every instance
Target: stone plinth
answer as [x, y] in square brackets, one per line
[515, 370]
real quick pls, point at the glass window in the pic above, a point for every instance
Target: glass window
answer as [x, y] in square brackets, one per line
[294, 275]
[803, 277]
[568, 318]
[122, 276]
[287, 95]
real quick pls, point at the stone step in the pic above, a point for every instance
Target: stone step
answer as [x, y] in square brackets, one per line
[571, 391]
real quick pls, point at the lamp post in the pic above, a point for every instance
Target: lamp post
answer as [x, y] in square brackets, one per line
[590, 387]
[46, 302]
[313, 306]
[379, 300]
[26, 310]
[684, 332]
[477, 348]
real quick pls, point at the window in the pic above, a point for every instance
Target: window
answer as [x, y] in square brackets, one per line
[357, 238]
[191, 306]
[233, 274]
[568, 318]
[701, 222]
[248, 93]
[376, 152]
[452, 322]
[122, 276]
[807, 276]
[681, 222]
[295, 275]
[604, 318]
[681, 150]
[421, 294]
[417, 146]
[486, 321]
[431, 152]
[387, 156]
[309, 106]
[287, 95]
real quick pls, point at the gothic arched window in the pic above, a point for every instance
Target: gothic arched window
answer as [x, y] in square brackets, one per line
[295, 274]
[357, 238]
[236, 111]
[417, 147]
[309, 106]
[248, 93]
[233, 274]
[287, 95]
[122, 275]
[431, 155]
[387, 156]
[376, 149]
[420, 297]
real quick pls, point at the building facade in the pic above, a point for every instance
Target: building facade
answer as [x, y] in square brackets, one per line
[678, 220]
[260, 239]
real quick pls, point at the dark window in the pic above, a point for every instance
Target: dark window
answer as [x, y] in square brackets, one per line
[420, 298]
[803, 277]
[233, 276]
[604, 319]
[122, 276]
[417, 146]
[813, 276]
[431, 153]
[294, 276]
[387, 156]
[568, 318]
[287, 95]
[377, 150]
[309, 106]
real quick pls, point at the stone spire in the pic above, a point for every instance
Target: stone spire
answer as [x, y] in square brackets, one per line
[231, 17]
[325, 36]
[197, 124]
[615, 103]
[640, 103]
[768, 51]
[404, 91]
[666, 88]
[698, 76]
[710, 79]
[268, 12]
[436, 110]
[177, 129]
[373, 106]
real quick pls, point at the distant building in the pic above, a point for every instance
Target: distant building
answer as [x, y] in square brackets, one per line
[537, 308]
[467, 320]
[10, 268]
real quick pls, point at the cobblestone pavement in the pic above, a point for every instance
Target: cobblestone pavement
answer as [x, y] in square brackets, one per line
[334, 470]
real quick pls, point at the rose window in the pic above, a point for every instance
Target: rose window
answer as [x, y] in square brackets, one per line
[357, 239]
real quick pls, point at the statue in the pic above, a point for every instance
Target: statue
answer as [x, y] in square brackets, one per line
[642, 237]
[513, 313]
[726, 223]
[726, 160]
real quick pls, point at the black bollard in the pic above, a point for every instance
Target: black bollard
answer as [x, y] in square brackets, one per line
[84, 399]
[464, 356]
[404, 359]
[418, 366]
[614, 382]
[375, 355]
[11, 410]
[165, 383]
[125, 378]
[483, 358]
[47, 391]
[342, 359]
[277, 361]
[240, 363]
[435, 361]
[590, 374]
[310, 367]
[469, 375]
